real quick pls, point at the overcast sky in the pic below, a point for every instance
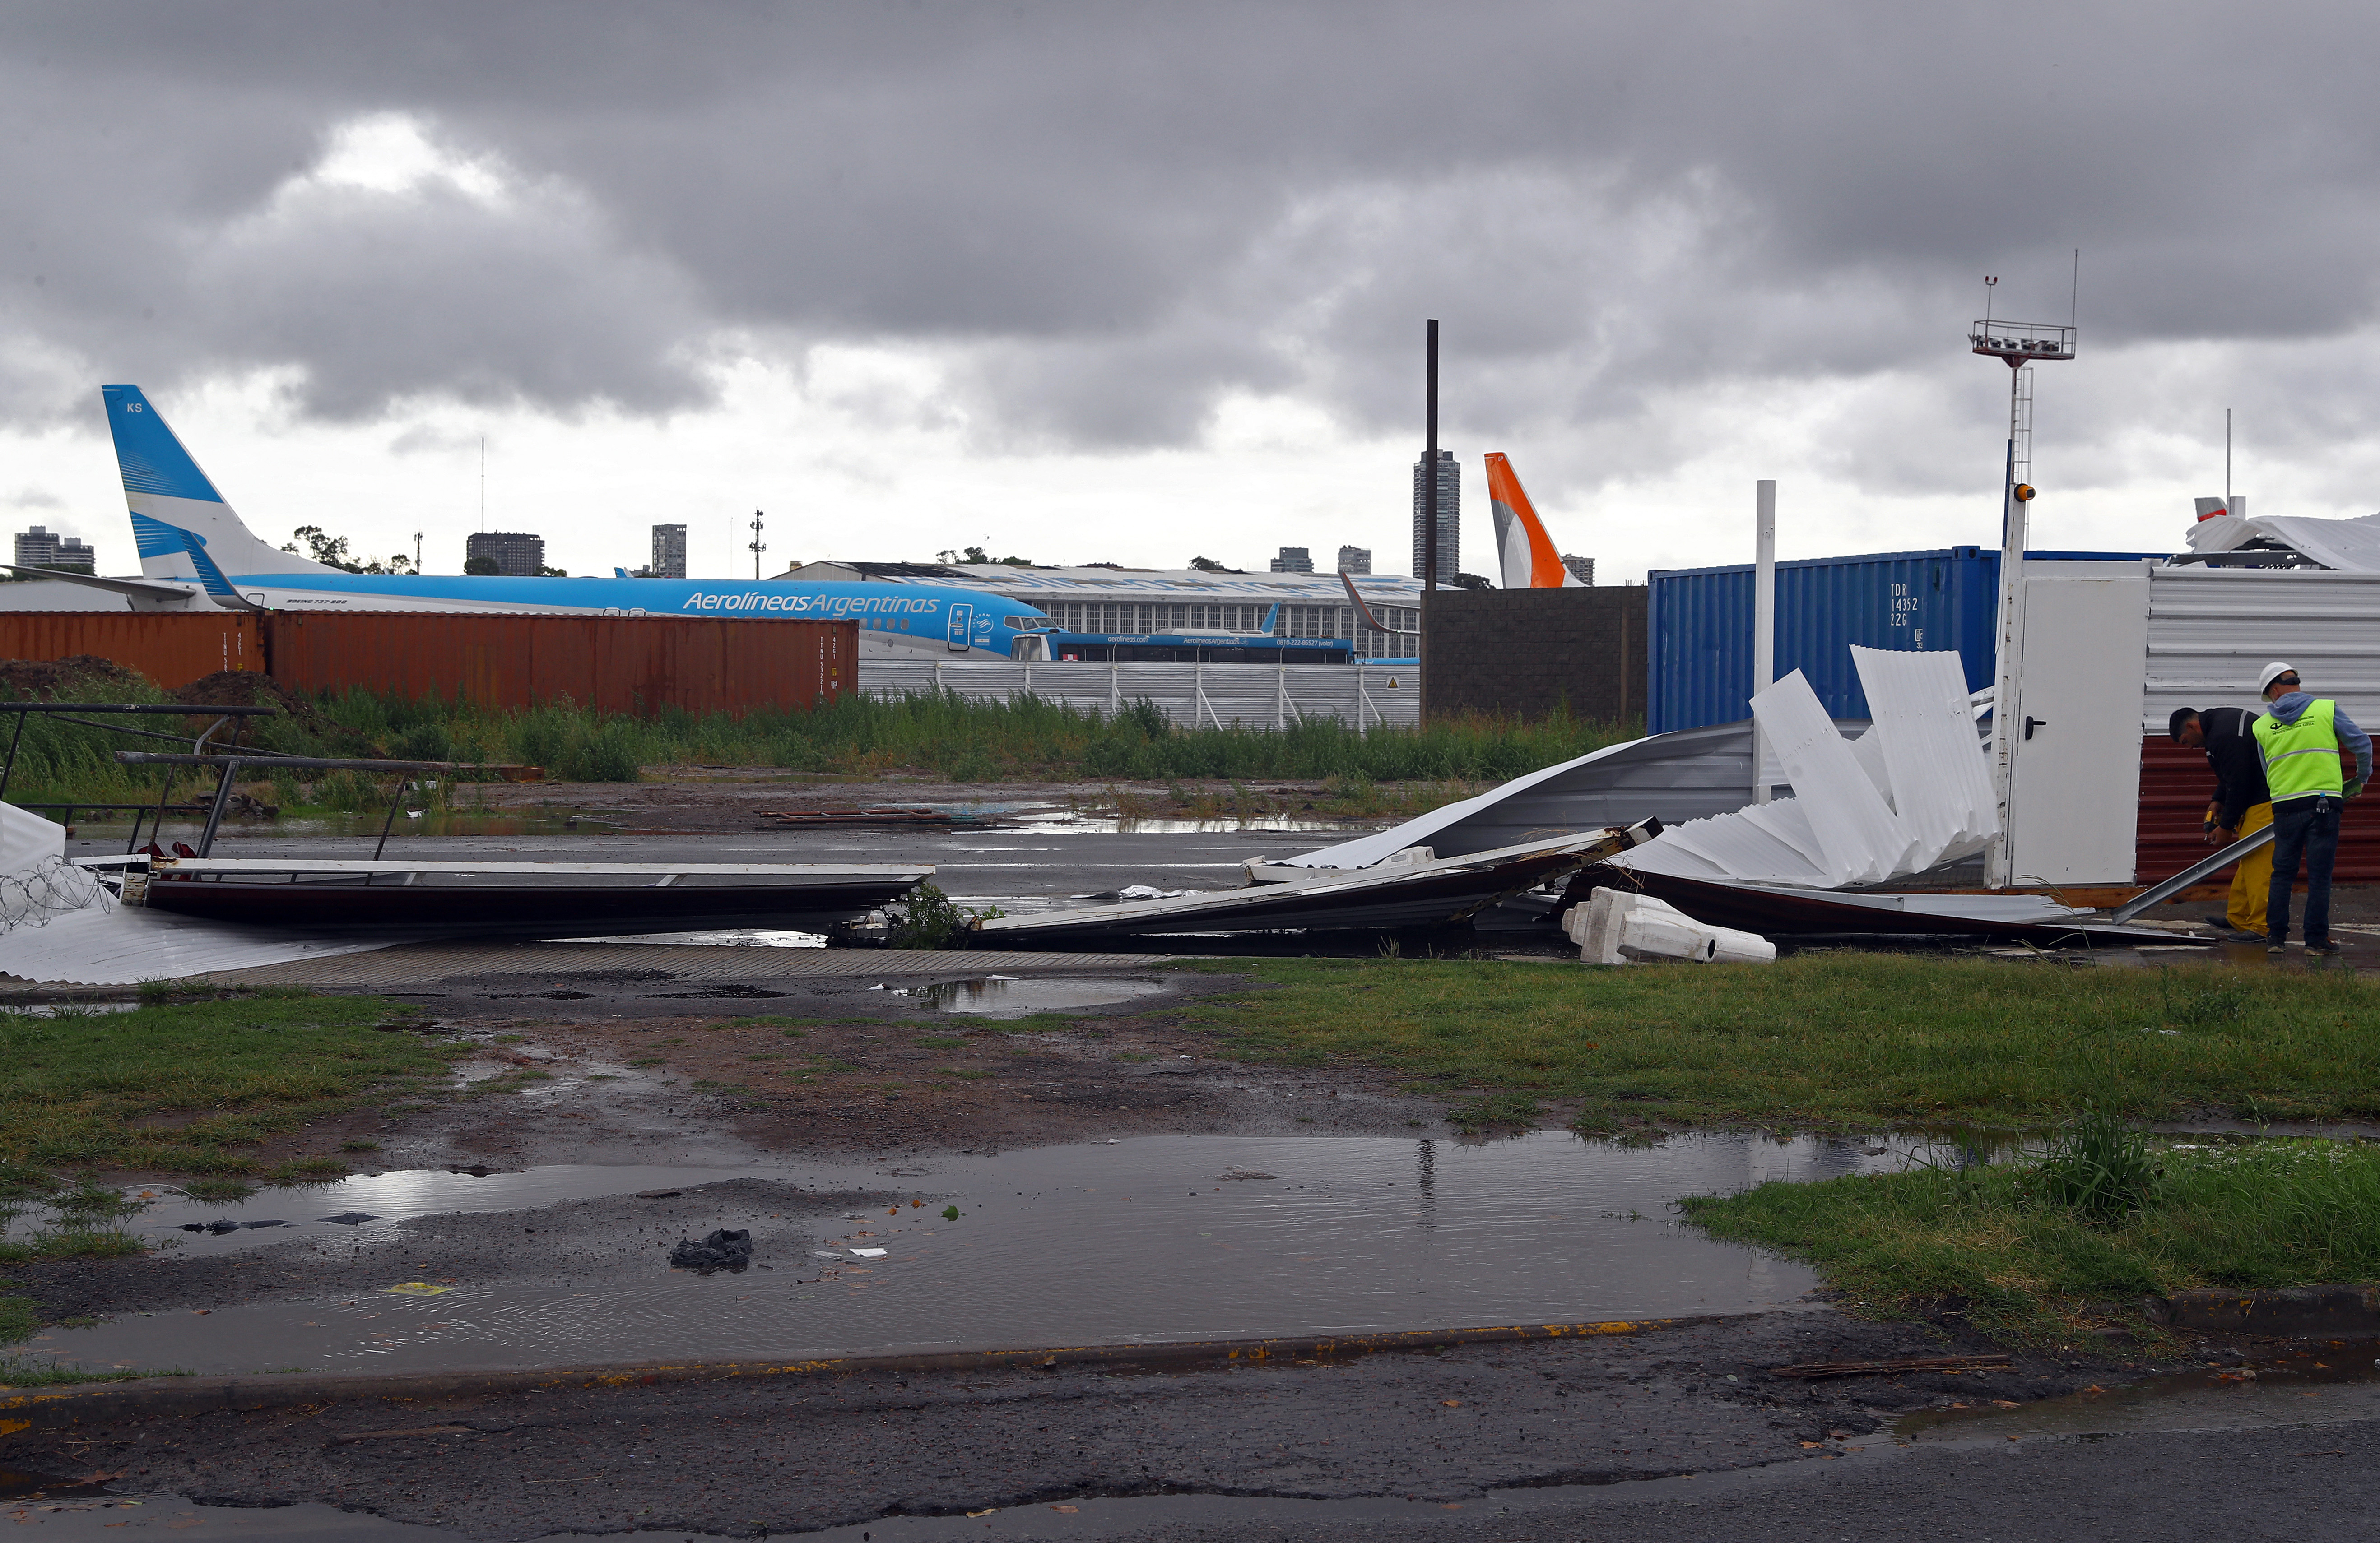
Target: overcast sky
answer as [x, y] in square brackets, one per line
[1126, 283]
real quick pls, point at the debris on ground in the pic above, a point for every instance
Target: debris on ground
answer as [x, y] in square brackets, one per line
[724, 1250]
[1619, 927]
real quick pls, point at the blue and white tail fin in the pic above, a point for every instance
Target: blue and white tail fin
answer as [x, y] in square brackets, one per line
[181, 526]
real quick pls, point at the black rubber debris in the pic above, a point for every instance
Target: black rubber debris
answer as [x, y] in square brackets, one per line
[723, 1250]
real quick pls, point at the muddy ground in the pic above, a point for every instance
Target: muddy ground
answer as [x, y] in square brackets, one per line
[629, 1068]
[574, 1073]
[719, 798]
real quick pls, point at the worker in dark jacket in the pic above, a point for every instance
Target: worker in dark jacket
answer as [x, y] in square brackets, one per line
[2302, 740]
[2241, 806]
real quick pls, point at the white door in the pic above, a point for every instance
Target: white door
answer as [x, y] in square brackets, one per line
[2074, 793]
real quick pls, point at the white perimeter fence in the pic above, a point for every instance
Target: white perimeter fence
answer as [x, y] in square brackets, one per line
[1194, 695]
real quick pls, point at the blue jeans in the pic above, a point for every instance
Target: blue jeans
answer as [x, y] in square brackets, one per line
[2306, 827]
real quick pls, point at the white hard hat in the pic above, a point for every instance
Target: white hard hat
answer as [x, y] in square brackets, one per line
[2274, 671]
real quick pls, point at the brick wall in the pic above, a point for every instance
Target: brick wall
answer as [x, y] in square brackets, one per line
[1522, 652]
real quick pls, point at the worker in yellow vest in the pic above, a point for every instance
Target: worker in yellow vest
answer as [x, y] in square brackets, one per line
[2300, 740]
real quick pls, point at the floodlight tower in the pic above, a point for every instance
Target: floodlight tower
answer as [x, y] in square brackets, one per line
[2019, 346]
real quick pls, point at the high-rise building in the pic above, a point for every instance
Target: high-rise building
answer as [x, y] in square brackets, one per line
[38, 547]
[517, 554]
[1450, 518]
[1355, 560]
[1581, 568]
[1293, 560]
[669, 552]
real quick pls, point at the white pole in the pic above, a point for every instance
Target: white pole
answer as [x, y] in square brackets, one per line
[1763, 616]
[2011, 654]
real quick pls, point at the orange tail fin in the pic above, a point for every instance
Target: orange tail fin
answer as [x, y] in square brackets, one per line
[1530, 559]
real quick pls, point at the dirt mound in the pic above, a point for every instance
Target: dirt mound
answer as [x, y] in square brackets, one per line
[314, 734]
[65, 680]
[247, 688]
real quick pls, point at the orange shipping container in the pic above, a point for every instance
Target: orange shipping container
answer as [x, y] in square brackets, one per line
[172, 648]
[617, 664]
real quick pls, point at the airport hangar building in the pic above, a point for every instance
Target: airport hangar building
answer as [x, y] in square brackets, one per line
[1120, 600]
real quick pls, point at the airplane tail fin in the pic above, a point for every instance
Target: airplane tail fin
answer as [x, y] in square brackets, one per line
[1530, 559]
[180, 525]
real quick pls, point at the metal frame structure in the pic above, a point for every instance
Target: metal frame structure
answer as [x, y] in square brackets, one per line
[237, 716]
[2017, 344]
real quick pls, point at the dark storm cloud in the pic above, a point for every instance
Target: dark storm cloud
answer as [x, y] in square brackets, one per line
[1109, 215]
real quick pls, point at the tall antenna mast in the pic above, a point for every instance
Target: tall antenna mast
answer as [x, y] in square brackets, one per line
[757, 545]
[1429, 465]
[2017, 344]
[2226, 460]
[483, 485]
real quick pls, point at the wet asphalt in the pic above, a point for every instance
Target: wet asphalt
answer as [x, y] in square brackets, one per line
[751, 1456]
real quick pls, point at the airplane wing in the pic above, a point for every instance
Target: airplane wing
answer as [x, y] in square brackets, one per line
[155, 592]
[1361, 608]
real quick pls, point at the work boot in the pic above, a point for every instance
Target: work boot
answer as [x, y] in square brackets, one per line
[2276, 947]
[2324, 949]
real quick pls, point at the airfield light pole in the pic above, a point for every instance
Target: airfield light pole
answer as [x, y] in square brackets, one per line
[2017, 344]
[757, 546]
[1429, 467]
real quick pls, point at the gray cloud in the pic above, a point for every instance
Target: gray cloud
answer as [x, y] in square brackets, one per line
[1109, 217]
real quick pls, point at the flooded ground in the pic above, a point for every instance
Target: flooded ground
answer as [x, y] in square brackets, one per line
[1152, 1239]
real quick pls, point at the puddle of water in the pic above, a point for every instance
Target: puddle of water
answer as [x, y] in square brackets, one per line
[70, 1009]
[1003, 996]
[1155, 1238]
[387, 1200]
[2322, 1384]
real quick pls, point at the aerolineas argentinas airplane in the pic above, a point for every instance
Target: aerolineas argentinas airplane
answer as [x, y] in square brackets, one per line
[195, 554]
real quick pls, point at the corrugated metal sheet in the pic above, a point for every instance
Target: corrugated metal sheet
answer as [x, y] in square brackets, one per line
[2175, 787]
[1699, 665]
[1690, 774]
[618, 664]
[1194, 695]
[171, 648]
[2212, 629]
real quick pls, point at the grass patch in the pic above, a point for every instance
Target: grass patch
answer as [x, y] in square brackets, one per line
[183, 1087]
[18, 1373]
[2237, 1216]
[1840, 1041]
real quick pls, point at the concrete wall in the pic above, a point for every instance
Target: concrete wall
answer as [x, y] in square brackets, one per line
[1523, 652]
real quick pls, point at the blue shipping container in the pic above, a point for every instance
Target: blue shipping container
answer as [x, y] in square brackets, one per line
[1699, 664]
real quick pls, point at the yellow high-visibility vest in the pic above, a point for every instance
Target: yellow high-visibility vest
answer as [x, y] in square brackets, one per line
[2300, 758]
